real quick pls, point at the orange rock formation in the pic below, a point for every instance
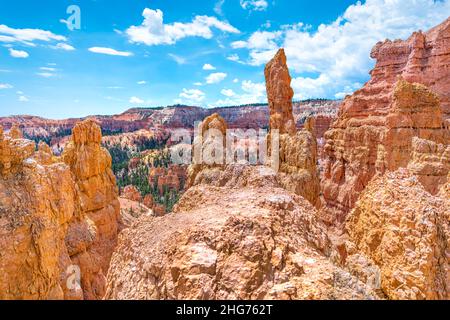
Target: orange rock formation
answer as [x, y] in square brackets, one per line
[131, 193]
[404, 231]
[376, 125]
[298, 150]
[246, 241]
[58, 222]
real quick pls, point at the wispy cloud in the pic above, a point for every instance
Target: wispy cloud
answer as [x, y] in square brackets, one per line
[27, 36]
[110, 51]
[45, 74]
[5, 86]
[63, 46]
[177, 59]
[48, 69]
[218, 7]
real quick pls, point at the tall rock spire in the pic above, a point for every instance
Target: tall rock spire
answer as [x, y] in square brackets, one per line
[280, 94]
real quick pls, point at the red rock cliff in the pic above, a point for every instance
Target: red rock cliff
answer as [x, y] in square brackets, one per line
[376, 125]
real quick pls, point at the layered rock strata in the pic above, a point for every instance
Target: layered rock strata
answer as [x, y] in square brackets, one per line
[58, 221]
[400, 229]
[406, 97]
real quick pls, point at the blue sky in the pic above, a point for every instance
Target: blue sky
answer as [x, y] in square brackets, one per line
[208, 53]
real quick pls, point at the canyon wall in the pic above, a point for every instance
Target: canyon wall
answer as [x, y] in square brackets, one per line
[404, 232]
[406, 97]
[58, 221]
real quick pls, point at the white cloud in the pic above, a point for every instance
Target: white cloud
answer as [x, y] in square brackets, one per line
[27, 36]
[153, 31]
[262, 40]
[198, 84]
[18, 53]
[235, 58]
[192, 95]
[239, 44]
[45, 74]
[110, 51]
[208, 67]
[136, 100]
[338, 53]
[215, 77]
[251, 93]
[63, 46]
[142, 82]
[177, 59]
[228, 92]
[48, 69]
[254, 5]
[5, 86]
[236, 80]
[23, 99]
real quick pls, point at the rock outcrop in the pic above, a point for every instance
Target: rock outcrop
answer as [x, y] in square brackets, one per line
[280, 94]
[57, 227]
[131, 193]
[246, 240]
[297, 150]
[91, 167]
[404, 231]
[209, 149]
[376, 125]
[430, 162]
[37, 204]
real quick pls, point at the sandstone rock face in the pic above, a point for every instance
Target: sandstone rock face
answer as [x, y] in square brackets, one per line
[376, 125]
[131, 193]
[13, 152]
[430, 162]
[423, 58]
[231, 242]
[37, 203]
[297, 150]
[298, 171]
[280, 94]
[52, 227]
[405, 232]
[148, 201]
[211, 138]
[91, 167]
